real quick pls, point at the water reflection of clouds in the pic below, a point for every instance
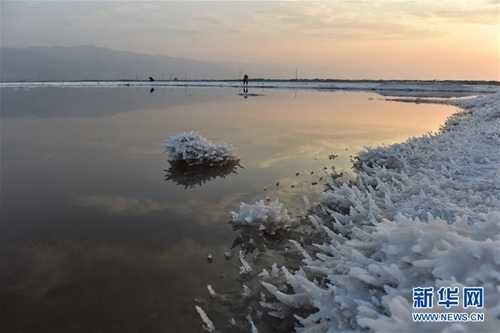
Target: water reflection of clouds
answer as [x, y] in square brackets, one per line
[203, 212]
[97, 285]
[197, 211]
[342, 140]
[290, 148]
[121, 204]
[206, 212]
[129, 148]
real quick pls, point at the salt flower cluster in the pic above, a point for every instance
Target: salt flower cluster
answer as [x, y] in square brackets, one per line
[194, 150]
[268, 219]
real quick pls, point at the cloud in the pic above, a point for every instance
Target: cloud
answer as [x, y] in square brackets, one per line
[374, 20]
[339, 20]
[486, 15]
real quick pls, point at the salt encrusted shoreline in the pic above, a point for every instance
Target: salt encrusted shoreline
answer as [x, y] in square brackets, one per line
[423, 213]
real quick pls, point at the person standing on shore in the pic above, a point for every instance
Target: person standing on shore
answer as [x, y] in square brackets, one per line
[245, 80]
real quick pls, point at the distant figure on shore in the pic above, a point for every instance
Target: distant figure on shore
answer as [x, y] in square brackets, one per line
[245, 80]
[151, 79]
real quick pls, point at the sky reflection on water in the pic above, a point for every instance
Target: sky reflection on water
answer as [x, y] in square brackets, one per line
[92, 236]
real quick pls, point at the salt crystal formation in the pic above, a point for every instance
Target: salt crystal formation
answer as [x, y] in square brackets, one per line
[194, 150]
[208, 325]
[268, 219]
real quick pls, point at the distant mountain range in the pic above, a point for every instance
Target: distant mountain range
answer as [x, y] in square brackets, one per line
[96, 63]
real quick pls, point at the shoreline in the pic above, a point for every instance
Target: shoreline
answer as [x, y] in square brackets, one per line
[418, 212]
[421, 213]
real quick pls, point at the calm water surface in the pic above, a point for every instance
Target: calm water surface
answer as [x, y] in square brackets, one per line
[94, 239]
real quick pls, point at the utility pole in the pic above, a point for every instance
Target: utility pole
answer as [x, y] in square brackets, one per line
[295, 73]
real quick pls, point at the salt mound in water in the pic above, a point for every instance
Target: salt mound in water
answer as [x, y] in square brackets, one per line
[266, 218]
[194, 150]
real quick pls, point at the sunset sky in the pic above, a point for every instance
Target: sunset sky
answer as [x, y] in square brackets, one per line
[387, 39]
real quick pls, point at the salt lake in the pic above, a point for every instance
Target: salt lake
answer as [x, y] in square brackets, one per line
[100, 234]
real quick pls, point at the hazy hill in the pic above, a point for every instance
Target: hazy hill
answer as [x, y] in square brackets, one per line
[96, 63]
